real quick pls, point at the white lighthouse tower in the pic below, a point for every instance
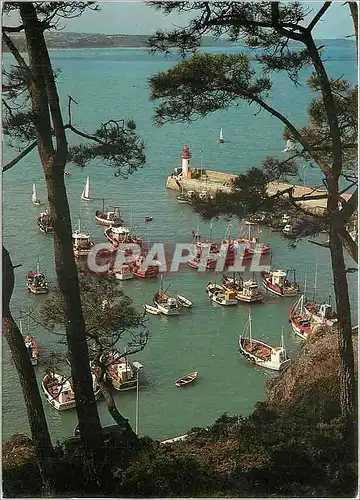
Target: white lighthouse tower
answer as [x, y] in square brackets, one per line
[185, 161]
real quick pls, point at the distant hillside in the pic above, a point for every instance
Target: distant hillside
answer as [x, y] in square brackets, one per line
[62, 40]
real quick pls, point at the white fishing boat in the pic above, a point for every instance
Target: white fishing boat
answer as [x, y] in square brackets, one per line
[183, 197]
[246, 291]
[277, 282]
[261, 354]
[81, 241]
[288, 231]
[320, 312]
[34, 198]
[165, 303]
[124, 273]
[86, 191]
[183, 301]
[120, 371]
[221, 137]
[152, 310]
[59, 391]
[109, 218]
[220, 296]
[36, 281]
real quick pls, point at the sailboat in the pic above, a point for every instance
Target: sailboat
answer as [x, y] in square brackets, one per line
[34, 197]
[183, 198]
[259, 353]
[86, 191]
[221, 137]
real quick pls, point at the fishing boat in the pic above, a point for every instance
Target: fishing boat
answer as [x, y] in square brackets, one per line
[277, 283]
[81, 242]
[34, 198]
[165, 303]
[36, 281]
[221, 137]
[124, 273]
[186, 379]
[109, 218]
[122, 235]
[183, 301]
[220, 296]
[261, 354]
[140, 269]
[45, 223]
[152, 310]
[30, 344]
[252, 243]
[120, 371]
[245, 290]
[320, 312]
[85, 195]
[299, 319]
[59, 391]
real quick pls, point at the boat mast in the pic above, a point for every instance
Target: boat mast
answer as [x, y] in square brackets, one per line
[20, 326]
[315, 281]
[303, 295]
[282, 337]
[250, 333]
[38, 266]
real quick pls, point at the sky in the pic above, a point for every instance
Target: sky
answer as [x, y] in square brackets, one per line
[135, 17]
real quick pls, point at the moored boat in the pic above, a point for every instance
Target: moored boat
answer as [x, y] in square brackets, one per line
[277, 283]
[220, 296]
[81, 241]
[183, 301]
[149, 219]
[245, 290]
[221, 137]
[261, 354]
[45, 223]
[120, 371]
[140, 269]
[58, 391]
[321, 313]
[152, 310]
[109, 218]
[167, 305]
[124, 273]
[30, 344]
[121, 235]
[36, 281]
[186, 379]
[299, 319]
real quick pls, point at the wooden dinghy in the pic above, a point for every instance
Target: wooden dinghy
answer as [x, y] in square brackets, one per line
[152, 310]
[186, 379]
[183, 301]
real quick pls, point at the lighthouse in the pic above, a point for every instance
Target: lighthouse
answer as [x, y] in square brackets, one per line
[185, 161]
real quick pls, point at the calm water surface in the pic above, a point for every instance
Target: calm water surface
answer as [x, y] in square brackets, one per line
[113, 84]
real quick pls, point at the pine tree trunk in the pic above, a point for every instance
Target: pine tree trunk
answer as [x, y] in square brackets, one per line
[354, 14]
[35, 411]
[45, 105]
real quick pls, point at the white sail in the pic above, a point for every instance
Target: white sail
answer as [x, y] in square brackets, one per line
[34, 197]
[221, 135]
[86, 191]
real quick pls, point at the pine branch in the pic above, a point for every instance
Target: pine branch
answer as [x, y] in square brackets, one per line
[20, 60]
[318, 16]
[22, 155]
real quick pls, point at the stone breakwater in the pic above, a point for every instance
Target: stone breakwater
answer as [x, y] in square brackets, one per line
[212, 181]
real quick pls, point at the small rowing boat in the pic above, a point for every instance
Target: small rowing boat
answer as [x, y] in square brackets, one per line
[152, 310]
[186, 379]
[183, 301]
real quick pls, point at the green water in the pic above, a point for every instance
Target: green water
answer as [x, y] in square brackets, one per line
[114, 84]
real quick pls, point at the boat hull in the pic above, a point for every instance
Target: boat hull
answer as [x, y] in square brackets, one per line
[186, 379]
[300, 330]
[252, 358]
[107, 222]
[123, 277]
[166, 311]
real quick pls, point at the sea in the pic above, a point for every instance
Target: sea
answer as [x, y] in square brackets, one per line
[114, 84]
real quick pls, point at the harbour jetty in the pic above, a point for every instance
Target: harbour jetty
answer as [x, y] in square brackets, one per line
[209, 182]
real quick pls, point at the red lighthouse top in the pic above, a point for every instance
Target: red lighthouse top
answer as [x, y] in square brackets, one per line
[185, 152]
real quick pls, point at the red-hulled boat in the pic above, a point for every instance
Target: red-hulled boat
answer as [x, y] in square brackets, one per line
[299, 319]
[141, 270]
[121, 235]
